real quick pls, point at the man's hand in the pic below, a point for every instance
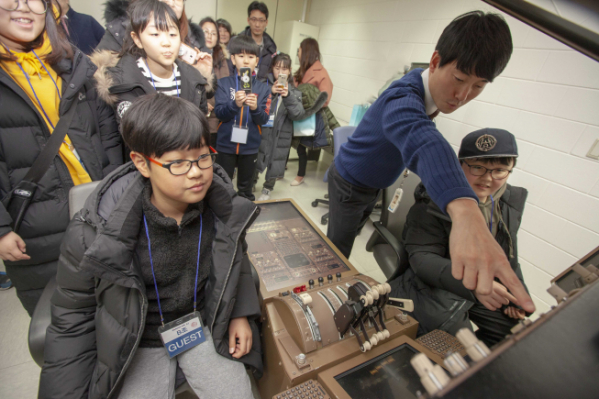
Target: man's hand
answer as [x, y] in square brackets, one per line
[12, 248]
[204, 63]
[476, 258]
[252, 101]
[240, 337]
[514, 313]
[498, 297]
[240, 98]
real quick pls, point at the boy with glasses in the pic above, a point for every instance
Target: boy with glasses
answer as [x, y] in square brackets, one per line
[487, 157]
[154, 274]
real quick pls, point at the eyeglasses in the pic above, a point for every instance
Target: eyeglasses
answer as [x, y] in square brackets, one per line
[257, 20]
[210, 33]
[183, 166]
[496, 174]
[38, 7]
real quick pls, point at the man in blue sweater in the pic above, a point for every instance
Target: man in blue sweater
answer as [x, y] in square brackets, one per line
[397, 132]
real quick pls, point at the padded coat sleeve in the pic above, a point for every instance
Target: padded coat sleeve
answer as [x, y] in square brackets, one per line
[110, 135]
[427, 244]
[293, 103]
[246, 303]
[225, 108]
[70, 348]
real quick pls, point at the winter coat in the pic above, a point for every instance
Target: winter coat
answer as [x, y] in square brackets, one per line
[439, 298]
[325, 121]
[276, 140]
[99, 307]
[120, 82]
[117, 28]
[229, 113]
[23, 133]
[269, 51]
[221, 70]
[318, 76]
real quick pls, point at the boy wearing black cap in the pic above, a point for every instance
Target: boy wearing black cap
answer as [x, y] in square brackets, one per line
[487, 157]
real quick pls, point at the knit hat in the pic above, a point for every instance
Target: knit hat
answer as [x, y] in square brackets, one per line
[488, 143]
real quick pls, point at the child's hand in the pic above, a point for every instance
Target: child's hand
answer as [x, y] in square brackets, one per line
[240, 337]
[240, 98]
[498, 297]
[12, 248]
[252, 101]
[514, 313]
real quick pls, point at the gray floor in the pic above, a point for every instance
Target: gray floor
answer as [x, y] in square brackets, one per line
[19, 375]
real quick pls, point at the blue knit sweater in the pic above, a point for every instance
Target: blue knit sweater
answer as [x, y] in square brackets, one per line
[396, 133]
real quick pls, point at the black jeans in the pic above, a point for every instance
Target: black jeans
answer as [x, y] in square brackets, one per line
[246, 165]
[302, 153]
[349, 209]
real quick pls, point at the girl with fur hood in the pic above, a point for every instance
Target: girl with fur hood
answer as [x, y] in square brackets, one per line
[117, 31]
[148, 62]
[45, 87]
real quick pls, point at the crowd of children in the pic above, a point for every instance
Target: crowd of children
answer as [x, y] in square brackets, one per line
[125, 275]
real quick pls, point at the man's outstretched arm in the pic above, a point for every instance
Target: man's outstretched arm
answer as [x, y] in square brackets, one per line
[476, 257]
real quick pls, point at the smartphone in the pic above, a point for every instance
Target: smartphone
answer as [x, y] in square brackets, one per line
[187, 54]
[246, 79]
[282, 81]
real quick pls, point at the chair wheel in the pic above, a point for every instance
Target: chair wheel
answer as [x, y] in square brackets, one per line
[314, 204]
[324, 220]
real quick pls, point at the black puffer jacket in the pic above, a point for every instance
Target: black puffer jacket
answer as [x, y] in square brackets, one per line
[23, 134]
[440, 299]
[120, 82]
[276, 140]
[100, 304]
[117, 27]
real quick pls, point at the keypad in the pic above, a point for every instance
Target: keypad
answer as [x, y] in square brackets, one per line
[440, 342]
[308, 390]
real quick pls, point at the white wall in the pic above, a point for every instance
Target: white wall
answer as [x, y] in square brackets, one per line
[548, 97]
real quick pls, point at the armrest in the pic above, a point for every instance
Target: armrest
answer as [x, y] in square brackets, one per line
[389, 238]
[40, 321]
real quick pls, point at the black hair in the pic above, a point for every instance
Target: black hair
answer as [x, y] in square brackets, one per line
[243, 45]
[260, 6]
[139, 19]
[507, 161]
[480, 43]
[156, 124]
[284, 59]
[225, 24]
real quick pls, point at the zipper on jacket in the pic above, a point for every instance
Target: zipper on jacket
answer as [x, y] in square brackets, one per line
[249, 219]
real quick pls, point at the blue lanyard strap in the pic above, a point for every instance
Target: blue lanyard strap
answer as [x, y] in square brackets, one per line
[195, 291]
[48, 72]
[152, 77]
[35, 94]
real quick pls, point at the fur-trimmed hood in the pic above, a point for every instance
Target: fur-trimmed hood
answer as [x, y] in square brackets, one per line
[106, 60]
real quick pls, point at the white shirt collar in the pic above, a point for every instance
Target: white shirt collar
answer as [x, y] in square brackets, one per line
[429, 103]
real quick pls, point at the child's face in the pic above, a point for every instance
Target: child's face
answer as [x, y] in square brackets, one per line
[450, 87]
[161, 47]
[244, 60]
[280, 69]
[484, 185]
[20, 27]
[176, 191]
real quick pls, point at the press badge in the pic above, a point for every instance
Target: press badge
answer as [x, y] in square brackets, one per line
[239, 135]
[182, 334]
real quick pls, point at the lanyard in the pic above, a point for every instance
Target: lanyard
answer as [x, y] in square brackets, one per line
[492, 210]
[152, 77]
[248, 118]
[195, 291]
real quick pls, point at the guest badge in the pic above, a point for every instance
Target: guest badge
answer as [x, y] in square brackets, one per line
[182, 334]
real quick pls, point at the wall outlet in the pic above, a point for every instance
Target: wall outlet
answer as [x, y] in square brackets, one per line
[594, 151]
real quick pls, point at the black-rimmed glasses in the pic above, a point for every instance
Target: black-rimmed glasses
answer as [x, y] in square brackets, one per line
[38, 7]
[496, 174]
[183, 166]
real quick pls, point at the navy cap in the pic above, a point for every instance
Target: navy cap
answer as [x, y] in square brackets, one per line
[488, 143]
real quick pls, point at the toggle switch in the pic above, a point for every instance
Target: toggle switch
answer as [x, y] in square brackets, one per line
[330, 278]
[338, 276]
[320, 281]
[432, 376]
[311, 283]
[476, 349]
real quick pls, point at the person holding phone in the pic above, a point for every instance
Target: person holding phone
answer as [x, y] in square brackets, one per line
[220, 69]
[148, 63]
[243, 106]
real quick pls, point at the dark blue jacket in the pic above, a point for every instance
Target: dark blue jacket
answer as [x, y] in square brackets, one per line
[396, 133]
[229, 113]
[84, 31]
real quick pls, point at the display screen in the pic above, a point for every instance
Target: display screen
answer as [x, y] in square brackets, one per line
[389, 376]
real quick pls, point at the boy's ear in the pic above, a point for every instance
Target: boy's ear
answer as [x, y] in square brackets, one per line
[136, 40]
[141, 163]
[233, 59]
[435, 62]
